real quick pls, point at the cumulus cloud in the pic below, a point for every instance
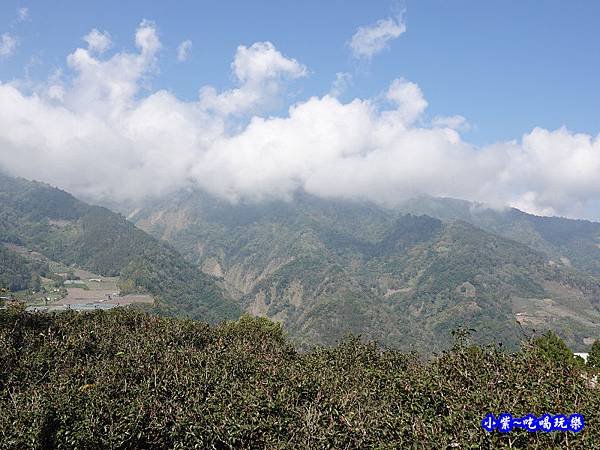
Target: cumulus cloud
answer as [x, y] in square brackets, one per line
[370, 40]
[98, 41]
[260, 72]
[8, 45]
[408, 99]
[183, 50]
[110, 85]
[95, 132]
[554, 171]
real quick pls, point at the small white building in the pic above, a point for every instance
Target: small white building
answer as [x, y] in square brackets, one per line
[583, 356]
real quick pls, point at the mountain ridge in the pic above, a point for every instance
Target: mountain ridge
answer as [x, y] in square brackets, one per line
[57, 225]
[324, 268]
[328, 267]
[577, 240]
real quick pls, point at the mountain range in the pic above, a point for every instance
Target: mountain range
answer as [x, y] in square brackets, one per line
[405, 276]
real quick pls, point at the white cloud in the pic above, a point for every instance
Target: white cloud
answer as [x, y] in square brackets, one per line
[409, 100]
[22, 14]
[110, 85]
[370, 40]
[183, 50]
[98, 135]
[263, 61]
[554, 171]
[8, 45]
[456, 122]
[340, 84]
[146, 38]
[54, 89]
[261, 72]
[98, 41]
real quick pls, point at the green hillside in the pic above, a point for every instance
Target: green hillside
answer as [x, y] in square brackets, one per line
[326, 268]
[18, 273]
[568, 242]
[122, 379]
[323, 268]
[64, 229]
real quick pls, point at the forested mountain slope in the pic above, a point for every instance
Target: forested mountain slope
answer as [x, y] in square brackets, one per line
[567, 242]
[17, 273]
[64, 229]
[325, 268]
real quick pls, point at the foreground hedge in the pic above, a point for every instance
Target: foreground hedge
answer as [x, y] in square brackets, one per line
[124, 379]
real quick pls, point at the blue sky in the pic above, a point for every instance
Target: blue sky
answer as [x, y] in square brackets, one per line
[493, 101]
[506, 66]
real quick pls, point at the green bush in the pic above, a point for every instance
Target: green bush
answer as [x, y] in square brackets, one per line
[126, 379]
[594, 355]
[551, 346]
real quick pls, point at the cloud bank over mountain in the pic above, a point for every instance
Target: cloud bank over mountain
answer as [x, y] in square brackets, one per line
[98, 132]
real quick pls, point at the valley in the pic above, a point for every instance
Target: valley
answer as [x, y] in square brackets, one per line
[47, 231]
[325, 268]
[62, 287]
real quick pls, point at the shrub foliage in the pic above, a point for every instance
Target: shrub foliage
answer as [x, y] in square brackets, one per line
[126, 379]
